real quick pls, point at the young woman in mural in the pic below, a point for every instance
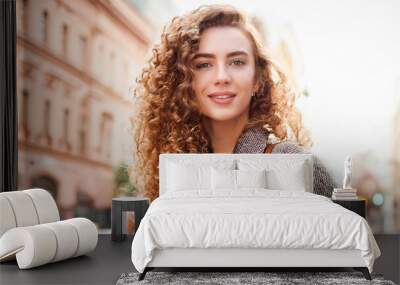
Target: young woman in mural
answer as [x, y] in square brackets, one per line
[209, 87]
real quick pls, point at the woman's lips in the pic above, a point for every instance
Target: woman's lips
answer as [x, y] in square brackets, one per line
[222, 97]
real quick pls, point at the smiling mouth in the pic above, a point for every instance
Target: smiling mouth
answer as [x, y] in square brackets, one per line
[222, 98]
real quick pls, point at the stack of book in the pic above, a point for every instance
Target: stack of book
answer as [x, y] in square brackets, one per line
[344, 194]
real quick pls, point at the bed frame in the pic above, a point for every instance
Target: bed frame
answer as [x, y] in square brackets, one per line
[241, 259]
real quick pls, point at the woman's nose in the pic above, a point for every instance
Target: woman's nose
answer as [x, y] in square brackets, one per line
[222, 75]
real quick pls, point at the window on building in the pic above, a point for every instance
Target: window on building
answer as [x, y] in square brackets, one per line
[47, 110]
[65, 39]
[83, 50]
[45, 26]
[104, 147]
[111, 68]
[25, 20]
[82, 135]
[101, 135]
[25, 112]
[108, 138]
[66, 128]
[99, 62]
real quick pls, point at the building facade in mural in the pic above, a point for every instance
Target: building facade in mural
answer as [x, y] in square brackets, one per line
[281, 46]
[76, 63]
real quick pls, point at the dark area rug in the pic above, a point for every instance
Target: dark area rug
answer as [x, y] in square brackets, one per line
[229, 278]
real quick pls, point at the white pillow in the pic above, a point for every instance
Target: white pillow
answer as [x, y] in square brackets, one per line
[290, 179]
[183, 178]
[228, 179]
[251, 178]
[223, 179]
[281, 174]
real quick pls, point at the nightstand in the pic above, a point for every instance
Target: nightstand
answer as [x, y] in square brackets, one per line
[357, 206]
[120, 222]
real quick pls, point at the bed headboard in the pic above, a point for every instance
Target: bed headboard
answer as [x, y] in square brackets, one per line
[197, 159]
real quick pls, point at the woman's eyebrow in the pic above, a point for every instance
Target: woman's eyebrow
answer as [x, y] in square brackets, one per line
[207, 55]
[210, 55]
[236, 53]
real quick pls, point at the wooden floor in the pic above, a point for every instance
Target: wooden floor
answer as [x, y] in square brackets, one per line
[110, 259]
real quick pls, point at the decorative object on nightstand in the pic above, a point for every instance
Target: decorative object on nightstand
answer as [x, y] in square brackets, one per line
[347, 193]
[357, 206]
[126, 214]
[344, 194]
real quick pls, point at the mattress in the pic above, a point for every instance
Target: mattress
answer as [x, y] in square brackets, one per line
[250, 219]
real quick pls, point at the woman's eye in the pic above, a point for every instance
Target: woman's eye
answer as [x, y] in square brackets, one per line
[202, 65]
[238, 62]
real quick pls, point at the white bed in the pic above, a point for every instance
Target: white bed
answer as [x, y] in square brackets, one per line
[234, 216]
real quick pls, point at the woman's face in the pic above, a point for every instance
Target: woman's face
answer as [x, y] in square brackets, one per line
[224, 73]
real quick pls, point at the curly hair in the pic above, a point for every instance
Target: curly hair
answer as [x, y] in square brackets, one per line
[168, 119]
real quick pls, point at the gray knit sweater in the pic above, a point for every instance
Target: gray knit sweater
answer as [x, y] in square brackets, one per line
[254, 140]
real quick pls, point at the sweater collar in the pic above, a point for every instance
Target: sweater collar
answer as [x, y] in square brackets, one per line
[252, 140]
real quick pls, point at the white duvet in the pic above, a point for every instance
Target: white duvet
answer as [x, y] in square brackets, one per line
[253, 218]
